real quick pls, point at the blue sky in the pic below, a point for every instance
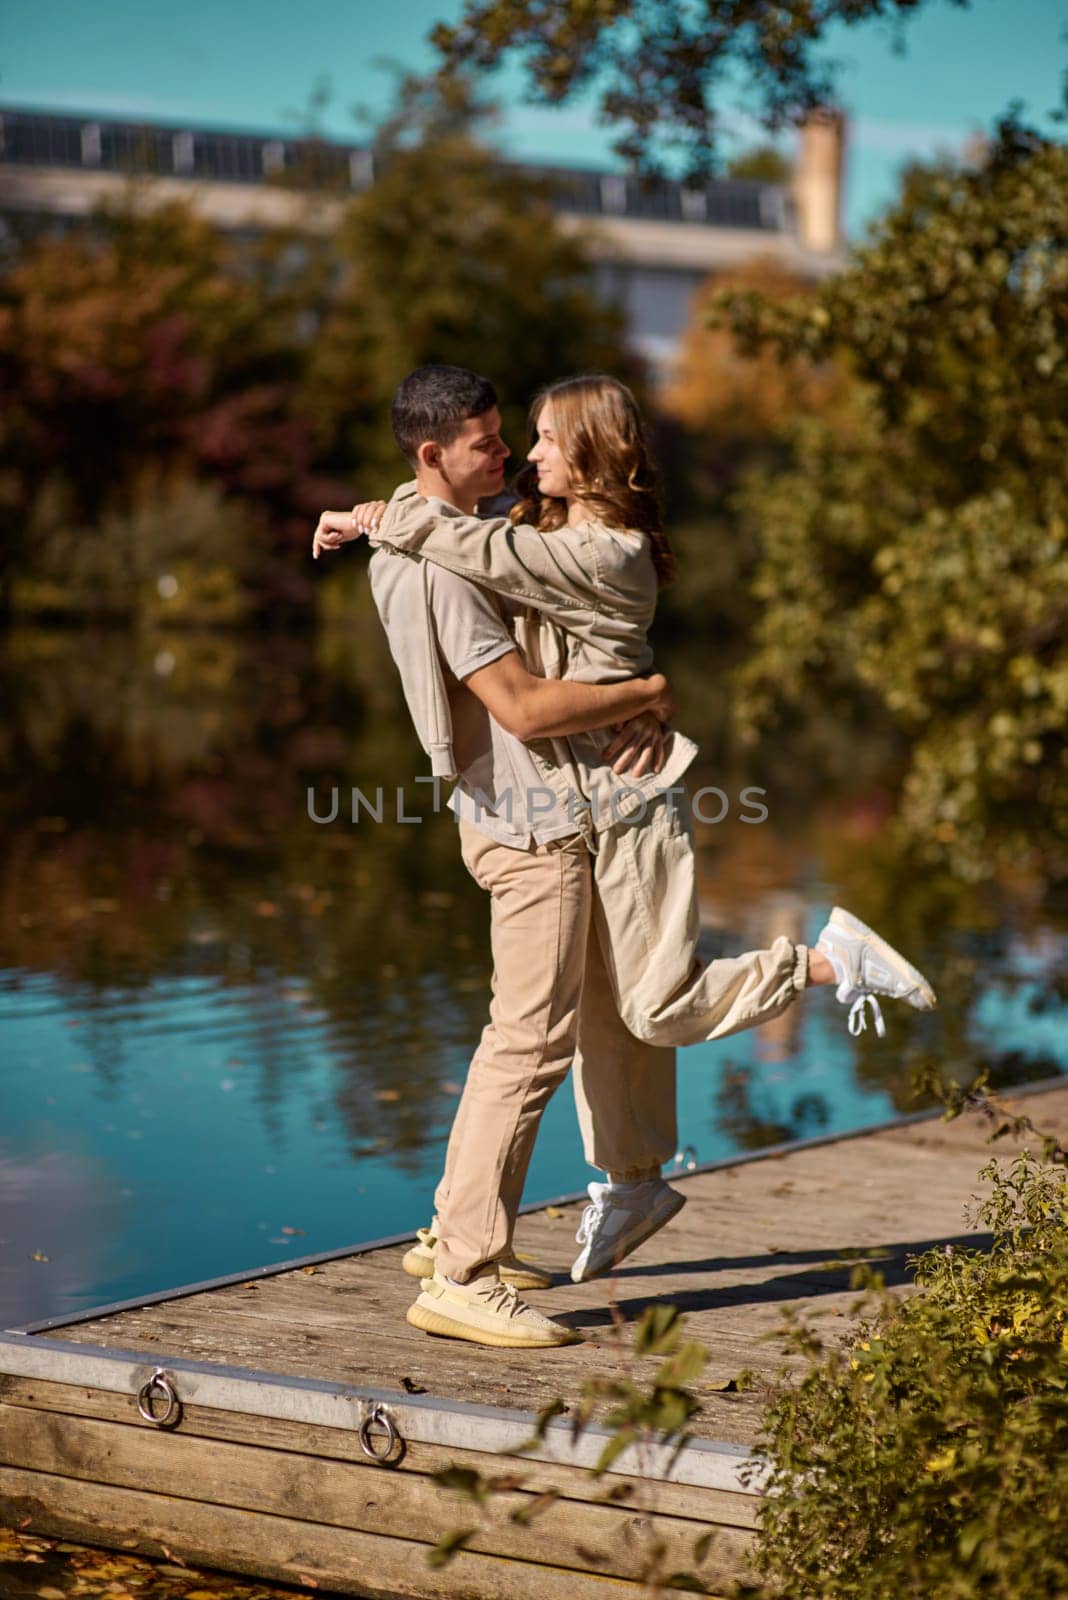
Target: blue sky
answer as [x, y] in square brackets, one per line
[224, 64]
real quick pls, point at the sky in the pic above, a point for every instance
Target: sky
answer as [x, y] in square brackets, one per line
[243, 65]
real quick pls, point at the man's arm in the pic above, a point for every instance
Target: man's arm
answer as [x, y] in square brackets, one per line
[540, 708]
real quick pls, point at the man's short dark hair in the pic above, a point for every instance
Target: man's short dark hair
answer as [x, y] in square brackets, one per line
[434, 402]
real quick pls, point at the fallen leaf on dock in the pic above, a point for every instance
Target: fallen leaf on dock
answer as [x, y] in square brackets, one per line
[553, 1211]
[411, 1387]
[311, 1271]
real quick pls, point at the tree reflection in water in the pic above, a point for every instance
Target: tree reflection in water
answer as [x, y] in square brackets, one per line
[157, 848]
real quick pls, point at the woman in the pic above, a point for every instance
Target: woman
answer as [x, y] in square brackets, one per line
[585, 549]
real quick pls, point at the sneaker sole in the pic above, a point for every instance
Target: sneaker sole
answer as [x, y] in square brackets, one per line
[418, 1264]
[444, 1327]
[623, 1250]
[850, 924]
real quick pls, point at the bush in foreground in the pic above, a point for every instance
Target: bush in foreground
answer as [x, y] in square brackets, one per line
[930, 1455]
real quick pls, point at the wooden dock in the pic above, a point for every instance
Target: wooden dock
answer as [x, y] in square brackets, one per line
[262, 1469]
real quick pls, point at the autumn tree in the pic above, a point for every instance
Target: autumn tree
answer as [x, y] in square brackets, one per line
[915, 557]
[176, 396]
[734, 394]
[140, 354]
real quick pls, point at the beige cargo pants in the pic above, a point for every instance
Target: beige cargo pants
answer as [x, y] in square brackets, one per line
[593, 963]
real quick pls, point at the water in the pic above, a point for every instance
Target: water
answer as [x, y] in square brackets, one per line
[232, 1036]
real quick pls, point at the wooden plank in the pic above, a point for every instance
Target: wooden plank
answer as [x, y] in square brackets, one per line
[343, 1494]
[573, 1483]
[280, 1548]
[753, 1238]
[459, 1424]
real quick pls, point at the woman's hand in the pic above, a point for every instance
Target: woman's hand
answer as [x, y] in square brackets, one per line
[664, 703]
[338, 527]
[638, 747]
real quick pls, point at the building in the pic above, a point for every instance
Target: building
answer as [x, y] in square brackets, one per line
[653, 242]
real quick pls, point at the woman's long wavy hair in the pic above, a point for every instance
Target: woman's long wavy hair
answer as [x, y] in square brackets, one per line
[601, 436]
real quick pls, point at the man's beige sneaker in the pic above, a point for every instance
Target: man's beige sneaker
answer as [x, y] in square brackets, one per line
[485, 1311]
[421, 1261]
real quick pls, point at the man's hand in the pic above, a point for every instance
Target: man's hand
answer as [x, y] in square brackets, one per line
[338, 527]
[638, 747]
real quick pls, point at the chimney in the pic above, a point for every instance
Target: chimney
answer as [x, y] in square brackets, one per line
[818, 179]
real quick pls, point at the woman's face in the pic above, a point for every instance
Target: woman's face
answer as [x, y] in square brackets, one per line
[554, 480]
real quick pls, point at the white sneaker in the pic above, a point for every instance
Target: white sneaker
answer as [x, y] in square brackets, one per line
[485, 1311]
[866, 966]
[617, 1220]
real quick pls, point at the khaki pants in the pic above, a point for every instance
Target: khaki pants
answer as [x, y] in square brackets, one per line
[646, 912]
[593, 962]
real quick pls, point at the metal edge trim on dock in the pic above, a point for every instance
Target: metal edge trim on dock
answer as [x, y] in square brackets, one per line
[461, 1425]
[272, 1269]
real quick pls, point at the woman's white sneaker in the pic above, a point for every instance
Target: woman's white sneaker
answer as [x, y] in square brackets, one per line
[866, 966]
[618, 1219]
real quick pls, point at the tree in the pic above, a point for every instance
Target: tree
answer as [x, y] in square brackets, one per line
[737, 395]
[140, 353]
[661, 67]
[147, 354]
[915, 556]
[448, 256]
[763, 164]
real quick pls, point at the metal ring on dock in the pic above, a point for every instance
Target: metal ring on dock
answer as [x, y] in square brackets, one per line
[159, 1383]
[377, 1416]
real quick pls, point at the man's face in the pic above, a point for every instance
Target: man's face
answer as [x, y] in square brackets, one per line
[473, 464]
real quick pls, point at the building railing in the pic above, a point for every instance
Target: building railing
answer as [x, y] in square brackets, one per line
[35, 138]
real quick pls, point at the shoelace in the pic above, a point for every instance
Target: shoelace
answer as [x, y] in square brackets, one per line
[504, 1297]
[858, 1017]
[590, 1219]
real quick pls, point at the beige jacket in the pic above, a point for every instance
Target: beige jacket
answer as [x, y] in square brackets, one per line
[590, 595]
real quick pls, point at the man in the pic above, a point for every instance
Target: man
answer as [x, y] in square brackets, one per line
[522, 846]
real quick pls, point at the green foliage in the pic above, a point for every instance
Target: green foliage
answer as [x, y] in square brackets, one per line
[181, 553]
[915, 555]
[929, 1456]
[448, 1546]
[662, 68]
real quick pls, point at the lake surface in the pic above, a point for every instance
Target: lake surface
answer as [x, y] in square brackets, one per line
[231, 1035]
